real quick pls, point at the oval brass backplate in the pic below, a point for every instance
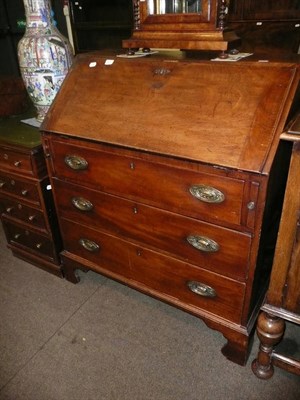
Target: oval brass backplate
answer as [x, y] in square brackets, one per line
[207, 194]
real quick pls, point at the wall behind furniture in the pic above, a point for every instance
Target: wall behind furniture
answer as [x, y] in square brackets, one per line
[101, 24]
[12, 28]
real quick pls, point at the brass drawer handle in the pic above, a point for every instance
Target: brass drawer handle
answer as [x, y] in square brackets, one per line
[9, 210]
[89, 245]
[31, 218]
[82, 204]
[17, 236]
[17, 163]
[2, 184]
[39, 245]
[76, 162]
[203, 243]
[207, 194]
[24, 192]
[201, 289]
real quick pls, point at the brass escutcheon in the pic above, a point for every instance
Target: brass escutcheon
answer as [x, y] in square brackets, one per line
[161, 71]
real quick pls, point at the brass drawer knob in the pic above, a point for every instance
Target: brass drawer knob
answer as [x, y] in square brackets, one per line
[207, 194]
[89, 245]
[17, 236]
[203, 243]
[24, 192]
[9, 210]
[201, 289]
[76, 162]
[31, 218]
[2, 184]
[17, 163]
[39, 245]
[82, 204]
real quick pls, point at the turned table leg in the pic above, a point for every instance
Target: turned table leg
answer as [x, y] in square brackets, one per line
[270, 330]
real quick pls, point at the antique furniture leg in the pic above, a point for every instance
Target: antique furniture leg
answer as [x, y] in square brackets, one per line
[238, 344]
[237, 351]
[69, 269]
[270, 330]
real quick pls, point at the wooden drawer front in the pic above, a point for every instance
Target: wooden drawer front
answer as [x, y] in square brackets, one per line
[15, 161]
[27, 190]
[163, 276]
[172, 277]
[215, 248]
[155, 184]
[22, 237]
[15, 209]
[110, 253]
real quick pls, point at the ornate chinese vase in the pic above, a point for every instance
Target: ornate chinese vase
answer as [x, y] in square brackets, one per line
[45, 55]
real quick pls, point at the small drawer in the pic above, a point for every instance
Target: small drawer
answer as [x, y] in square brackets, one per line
[178, 282]
[25, 238]
[25, 189]
[189, 192]
[218, 249]
[15, 161]
[14, 209]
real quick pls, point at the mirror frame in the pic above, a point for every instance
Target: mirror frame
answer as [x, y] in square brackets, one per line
[146, 19]
[205, 31]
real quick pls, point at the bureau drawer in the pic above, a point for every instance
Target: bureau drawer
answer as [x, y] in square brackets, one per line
[190, 287]
[193, 193]
[215, 248]
[15, 209]
[16, 186]
[166, 277]
[96, 247]
[25, 238]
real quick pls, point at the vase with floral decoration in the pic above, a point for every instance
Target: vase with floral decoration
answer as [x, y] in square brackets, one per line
[44, 54]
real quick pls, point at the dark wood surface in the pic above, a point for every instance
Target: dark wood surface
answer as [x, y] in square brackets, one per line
[266, 26]
[262, 10]
[128, 141]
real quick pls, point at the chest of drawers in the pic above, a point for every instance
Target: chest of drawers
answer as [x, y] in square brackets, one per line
[168, 176]
[26, 201]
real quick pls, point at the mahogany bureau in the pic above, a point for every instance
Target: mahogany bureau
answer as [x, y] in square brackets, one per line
[26, 202]
[168, 175]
